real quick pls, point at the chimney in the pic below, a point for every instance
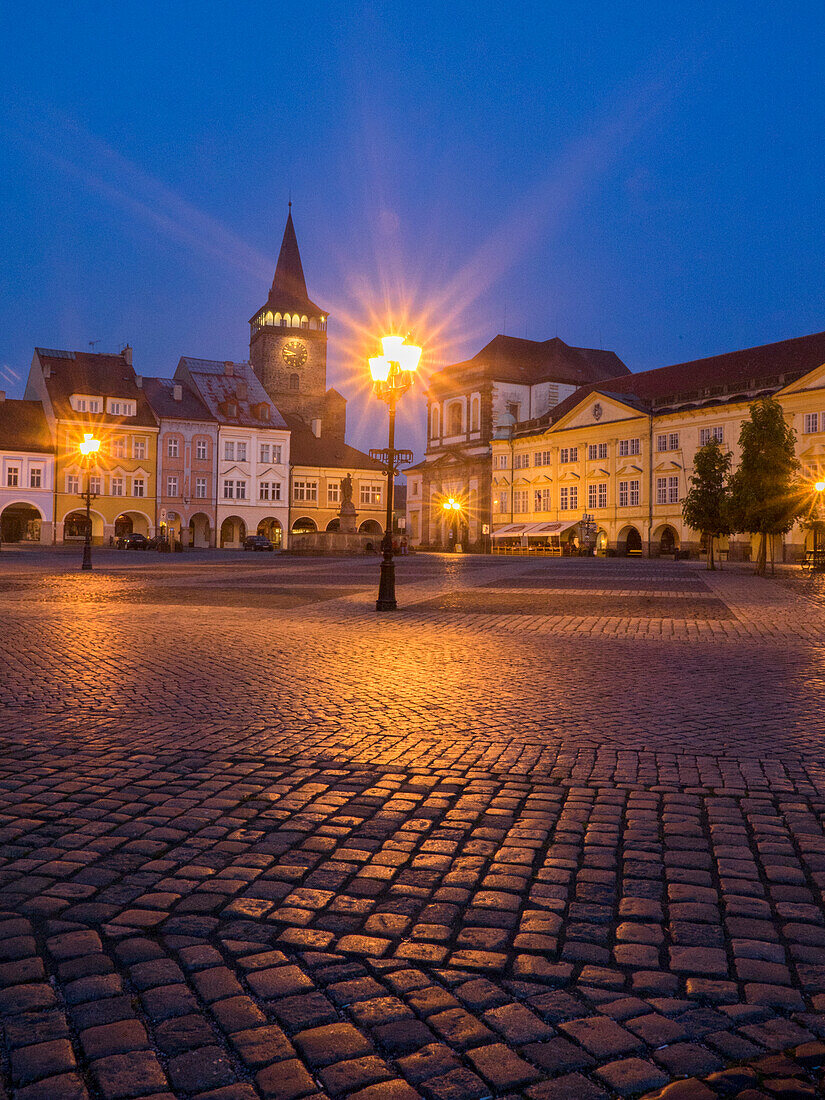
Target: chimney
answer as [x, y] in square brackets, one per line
[177, 392]
[240, 391]
[139, 381]
[229, 368]
[47, 370]
[2, 396]
[315, 424]
[127, 354]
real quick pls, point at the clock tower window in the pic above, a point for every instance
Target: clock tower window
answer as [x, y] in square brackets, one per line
[294, 381]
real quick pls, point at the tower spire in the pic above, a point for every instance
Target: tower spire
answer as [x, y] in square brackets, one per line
[289, 281]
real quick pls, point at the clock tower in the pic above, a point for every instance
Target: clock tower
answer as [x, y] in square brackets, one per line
[288, 338]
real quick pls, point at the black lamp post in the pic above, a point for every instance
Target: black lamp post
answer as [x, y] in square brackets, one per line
[88, 447]
[393, 373]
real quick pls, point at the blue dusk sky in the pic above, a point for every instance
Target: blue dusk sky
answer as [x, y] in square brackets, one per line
[645, 177]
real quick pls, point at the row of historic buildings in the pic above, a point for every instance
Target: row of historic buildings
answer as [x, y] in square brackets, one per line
[530, 438]
[215, 452]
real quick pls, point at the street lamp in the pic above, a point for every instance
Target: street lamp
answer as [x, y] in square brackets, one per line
[452, 510]
[393, 373]
[88, 447]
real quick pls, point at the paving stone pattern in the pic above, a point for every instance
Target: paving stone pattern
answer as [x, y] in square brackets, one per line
[262, 850]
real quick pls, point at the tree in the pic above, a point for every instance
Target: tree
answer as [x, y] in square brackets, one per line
[766, 497]
[706, 505]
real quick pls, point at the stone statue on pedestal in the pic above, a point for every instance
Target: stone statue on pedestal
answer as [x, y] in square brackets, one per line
[347, 514]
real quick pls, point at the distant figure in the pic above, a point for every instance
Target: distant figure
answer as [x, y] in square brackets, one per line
[346, 489]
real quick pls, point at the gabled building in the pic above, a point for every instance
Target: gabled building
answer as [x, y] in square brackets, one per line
[187, 462]
[252, 464]
[508, 381]
[98, 394]
[623, 450]
[26, 472]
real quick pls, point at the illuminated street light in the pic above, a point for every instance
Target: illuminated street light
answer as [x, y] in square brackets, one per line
[88, 447]
[452, 510]
[820, 486]
[393, 373]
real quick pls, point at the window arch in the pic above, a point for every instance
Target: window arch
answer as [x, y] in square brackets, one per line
[474, 414]
[277, 320]
[434, 422]
[294, 382]
[455, 419]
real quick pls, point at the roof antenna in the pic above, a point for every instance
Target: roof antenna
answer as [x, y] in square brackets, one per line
[93, 344]
[504, 330]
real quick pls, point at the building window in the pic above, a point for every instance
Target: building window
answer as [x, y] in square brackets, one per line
[263, 490]
[520, 500]
[120, 408]
[200, 449]
[456, 418]
[415, 488]
[370, 494]
[811, 423]
[602, 450]
[276, 454]
[171, 486]
[116, 485]
[228, 489]
[172, 448]
[200, 488]
[592, 452]
[602, 494]
[306, 491]
[229, 452]
[707, 434]
[569, 454]
[434, 422]
[35, 477]
[630, 447]
[569, 498]
[294, 382]
[138, 487]
[542, 500]
[241, 452]
[138, 448]
[592, 491]
[264, 454]
[72, 483]
[474, 416]
[673, 441]
[96, 484]
[673, 490]
[333, 492]
[240, 490]
[12, 476]
[542, 458]
[661, 442]
[628, 494]
[503, 501]
[521, 461]
[502, 461]
[661, 490]
[119, 446]
[276, 490]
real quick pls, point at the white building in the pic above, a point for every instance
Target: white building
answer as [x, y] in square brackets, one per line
[26, 473]
[252, 483]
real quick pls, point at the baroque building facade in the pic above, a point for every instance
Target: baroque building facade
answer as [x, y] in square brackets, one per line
[508, 381]
[26, 472]
[623, 451]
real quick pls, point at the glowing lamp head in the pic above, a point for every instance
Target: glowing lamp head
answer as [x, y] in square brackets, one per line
[392, 346]
[379, 368]
[451, 505]
[90, 445]
[408, 357]
[820, 486]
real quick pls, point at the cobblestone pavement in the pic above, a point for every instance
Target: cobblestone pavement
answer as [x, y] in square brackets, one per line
[553, 830]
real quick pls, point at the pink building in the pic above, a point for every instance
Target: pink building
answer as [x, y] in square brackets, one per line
[187, 461]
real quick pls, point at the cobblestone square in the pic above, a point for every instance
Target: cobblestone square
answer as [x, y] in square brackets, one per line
[552, 830]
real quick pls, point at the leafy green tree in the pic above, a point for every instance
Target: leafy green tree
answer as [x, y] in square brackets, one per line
[706, 506]
[766, 496]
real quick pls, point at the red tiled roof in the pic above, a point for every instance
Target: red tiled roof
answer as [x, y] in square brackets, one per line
[511, 359]
[765, 367]
[23, 427]
[96, 374]
[307, 449]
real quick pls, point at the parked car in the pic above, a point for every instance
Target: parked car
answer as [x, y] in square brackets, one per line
[136, 541]
[257, 542]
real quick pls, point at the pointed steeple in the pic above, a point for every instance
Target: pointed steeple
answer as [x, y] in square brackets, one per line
[289, 288]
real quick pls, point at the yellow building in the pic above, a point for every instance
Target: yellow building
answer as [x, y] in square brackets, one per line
[100, 395]
[622, 452]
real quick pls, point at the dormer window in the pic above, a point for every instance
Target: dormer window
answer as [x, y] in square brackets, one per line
[117, 406]
[85, 404]
[230, 408]
[263, 411]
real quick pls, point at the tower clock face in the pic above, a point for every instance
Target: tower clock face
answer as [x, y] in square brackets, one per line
[294, 353]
